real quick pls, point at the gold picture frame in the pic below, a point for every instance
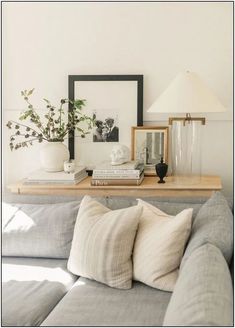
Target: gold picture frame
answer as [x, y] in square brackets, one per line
[148, 145]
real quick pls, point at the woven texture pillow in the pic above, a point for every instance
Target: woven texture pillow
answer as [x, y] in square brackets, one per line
[159, 246]
[103, 242]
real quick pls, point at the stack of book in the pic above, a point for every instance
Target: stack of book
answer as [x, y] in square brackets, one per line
[43, 177]
[127, 174]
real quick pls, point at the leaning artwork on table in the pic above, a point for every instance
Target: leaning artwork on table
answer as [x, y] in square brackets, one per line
[116, 104]
[149, 144]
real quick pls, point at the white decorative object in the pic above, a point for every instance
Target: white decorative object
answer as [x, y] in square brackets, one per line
[69, 166]
[120, 154]
[53, 155]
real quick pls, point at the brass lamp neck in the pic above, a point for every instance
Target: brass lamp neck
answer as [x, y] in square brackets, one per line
[187, 119]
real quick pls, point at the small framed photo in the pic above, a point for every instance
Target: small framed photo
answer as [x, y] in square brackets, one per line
[149, 144]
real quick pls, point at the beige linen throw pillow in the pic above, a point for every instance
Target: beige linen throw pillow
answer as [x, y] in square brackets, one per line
[103, 242]
[159, 246]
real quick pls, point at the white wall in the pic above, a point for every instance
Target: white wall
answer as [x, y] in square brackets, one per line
[45, 42]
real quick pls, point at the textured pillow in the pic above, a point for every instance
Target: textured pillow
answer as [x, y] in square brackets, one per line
[103, 242]
[159, 246]
[34, 230]
[203, 295]
[213, 224]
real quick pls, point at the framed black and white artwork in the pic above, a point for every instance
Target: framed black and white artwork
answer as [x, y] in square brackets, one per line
[116, 103]
[149, 144]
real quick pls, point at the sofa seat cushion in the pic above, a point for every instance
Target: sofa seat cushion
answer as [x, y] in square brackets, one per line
[90, 303]
[31, 288]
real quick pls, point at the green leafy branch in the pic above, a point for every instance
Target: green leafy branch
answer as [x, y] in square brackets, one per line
[55, 125]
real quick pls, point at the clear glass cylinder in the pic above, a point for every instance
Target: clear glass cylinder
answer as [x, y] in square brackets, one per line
[186, 150]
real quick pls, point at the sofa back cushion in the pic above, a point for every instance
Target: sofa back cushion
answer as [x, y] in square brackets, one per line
[203, 294]
[213, 224]
[171, 206]
[36, 230]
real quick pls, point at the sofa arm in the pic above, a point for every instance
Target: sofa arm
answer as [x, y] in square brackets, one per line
[203, 294]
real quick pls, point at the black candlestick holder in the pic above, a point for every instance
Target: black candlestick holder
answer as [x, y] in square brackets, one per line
[161, 170]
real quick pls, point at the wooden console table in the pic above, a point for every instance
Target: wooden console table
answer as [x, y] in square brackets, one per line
[173, 187]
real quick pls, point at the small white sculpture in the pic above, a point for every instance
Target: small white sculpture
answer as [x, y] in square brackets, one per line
[69, 166]
[120, 154]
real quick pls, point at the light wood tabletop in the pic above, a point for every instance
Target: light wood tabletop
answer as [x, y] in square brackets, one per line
[174, 187]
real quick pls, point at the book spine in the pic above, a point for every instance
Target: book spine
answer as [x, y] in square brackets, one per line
[78, 175]
[121, 175]
[116, 177]
[70, 177]
[81, 179]
[120, 182]
[115, 172]
[56, 182]
[108, 182]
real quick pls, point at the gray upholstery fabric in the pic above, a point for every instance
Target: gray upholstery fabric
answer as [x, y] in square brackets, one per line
[90, 303]
[36, 230]
[171, 207]
[31, 288]
[34, 288]
[47, 229]
[203, 294]
[43, 199]
[121, 200]
[213, 224]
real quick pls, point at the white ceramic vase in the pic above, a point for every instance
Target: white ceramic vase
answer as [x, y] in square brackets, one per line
[53, 155]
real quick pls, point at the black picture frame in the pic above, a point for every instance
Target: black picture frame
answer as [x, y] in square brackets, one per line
[71, 88]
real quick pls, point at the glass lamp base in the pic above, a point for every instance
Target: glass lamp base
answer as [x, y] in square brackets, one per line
[186, 151]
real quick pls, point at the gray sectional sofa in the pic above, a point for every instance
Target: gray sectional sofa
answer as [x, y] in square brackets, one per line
[39, 290]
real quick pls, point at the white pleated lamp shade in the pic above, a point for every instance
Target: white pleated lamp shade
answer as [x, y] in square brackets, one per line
[187, 93]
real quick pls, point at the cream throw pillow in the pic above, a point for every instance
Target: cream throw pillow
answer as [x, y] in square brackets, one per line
[103, 243]
[159, 246]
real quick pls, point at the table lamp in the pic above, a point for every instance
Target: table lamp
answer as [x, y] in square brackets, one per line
[186, 94]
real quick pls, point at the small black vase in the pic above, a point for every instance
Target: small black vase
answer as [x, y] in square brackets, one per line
[161, 170]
